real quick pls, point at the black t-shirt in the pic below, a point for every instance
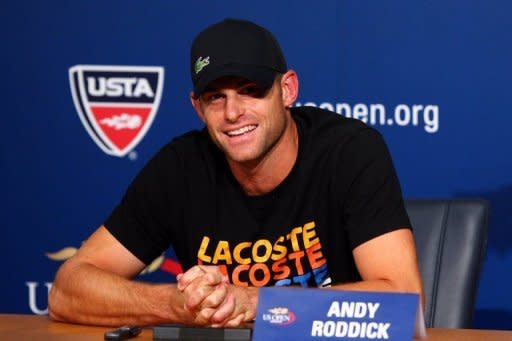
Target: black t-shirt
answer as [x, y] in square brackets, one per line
[341, 192]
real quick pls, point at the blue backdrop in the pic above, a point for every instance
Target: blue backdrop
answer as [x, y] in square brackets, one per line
[432, 76]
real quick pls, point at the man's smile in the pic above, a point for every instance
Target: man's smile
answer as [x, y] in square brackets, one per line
[241, 131]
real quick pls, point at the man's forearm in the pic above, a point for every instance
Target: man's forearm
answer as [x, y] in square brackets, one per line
[85, 294]
[374, 285]
[382, 285]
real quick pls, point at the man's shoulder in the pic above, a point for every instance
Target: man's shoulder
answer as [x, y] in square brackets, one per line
[325, 125]
[192, 147]
[191, 142]
[190, 139]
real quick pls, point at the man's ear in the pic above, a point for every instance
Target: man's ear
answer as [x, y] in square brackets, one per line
[289, 87]
[196, 103]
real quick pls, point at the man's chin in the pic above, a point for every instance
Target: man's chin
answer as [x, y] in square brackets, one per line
[245, 158]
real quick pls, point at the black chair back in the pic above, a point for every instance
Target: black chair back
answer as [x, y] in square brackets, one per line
[451, 239]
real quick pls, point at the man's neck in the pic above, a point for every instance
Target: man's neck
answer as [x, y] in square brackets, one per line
[263, 175]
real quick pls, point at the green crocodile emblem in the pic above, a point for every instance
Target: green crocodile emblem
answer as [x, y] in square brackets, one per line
[201, 63]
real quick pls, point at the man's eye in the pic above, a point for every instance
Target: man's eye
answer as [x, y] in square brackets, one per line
[213, 97]
[253, 90]
[248, 90]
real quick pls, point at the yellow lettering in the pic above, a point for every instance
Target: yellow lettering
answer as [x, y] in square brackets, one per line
[222, 253]
[237, 253]
[309, 235]
[281, 249]
[293, 236]
[268, 250]
[201, 253]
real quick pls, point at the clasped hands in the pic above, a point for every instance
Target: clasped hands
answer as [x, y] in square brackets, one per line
[213, 301]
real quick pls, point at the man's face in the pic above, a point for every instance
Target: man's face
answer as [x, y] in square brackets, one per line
[244, 120]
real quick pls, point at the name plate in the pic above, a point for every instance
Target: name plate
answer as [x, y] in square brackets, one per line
[320, 314]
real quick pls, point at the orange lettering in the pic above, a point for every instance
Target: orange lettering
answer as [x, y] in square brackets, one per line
[317, 259]
[223, 269]
[252, 275]
[236, 275]
[280, 269]
[297, 257]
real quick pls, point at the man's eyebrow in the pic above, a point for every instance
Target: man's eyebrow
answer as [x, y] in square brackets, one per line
[239, 83]
[244, 81]
[209, 89]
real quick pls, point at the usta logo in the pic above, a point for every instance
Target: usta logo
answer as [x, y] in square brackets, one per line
[117, 86]
[116, 104]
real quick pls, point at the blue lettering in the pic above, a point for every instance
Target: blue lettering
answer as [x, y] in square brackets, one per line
[303, 279]
[320, 274]
[283, 282]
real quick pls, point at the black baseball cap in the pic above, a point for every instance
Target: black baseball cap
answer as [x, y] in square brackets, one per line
[235, 48]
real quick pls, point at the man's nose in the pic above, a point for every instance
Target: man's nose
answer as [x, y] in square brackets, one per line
[234, 108]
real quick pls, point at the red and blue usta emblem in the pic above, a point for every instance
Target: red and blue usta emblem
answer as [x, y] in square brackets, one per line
[116, 104]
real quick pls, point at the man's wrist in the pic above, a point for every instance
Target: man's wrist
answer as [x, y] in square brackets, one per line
[253, 304]
[167, 303]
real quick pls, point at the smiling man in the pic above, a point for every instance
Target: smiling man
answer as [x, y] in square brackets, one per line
[266, 195]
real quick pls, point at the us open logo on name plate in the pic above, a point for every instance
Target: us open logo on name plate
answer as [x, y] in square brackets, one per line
[116, 104]
[279, 316]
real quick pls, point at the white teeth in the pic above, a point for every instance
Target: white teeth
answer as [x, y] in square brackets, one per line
[241, 131]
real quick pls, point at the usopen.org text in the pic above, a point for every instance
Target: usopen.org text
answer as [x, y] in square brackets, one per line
[402, 115]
